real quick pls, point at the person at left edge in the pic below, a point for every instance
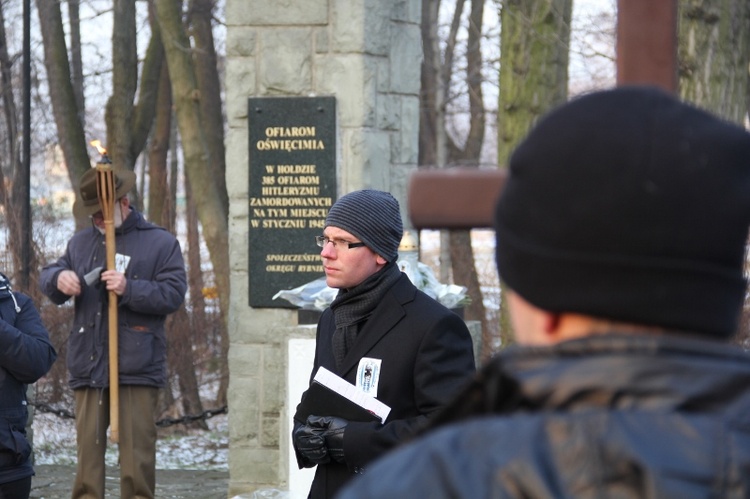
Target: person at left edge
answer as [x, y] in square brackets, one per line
[382, 334]
[26, 355]
[150, 283]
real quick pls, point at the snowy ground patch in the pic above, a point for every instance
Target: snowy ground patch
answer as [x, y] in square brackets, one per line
[55, 443]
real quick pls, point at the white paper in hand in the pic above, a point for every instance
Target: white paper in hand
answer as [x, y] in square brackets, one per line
[351, 392]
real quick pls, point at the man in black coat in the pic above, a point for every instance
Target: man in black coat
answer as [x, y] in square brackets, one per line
[621, 241]
[383, 335]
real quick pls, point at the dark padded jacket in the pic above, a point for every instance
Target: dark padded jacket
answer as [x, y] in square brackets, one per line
[156, 286]
[636, 416]
[26, 354]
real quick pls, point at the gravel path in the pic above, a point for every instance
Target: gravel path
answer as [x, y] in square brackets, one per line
[54, 482]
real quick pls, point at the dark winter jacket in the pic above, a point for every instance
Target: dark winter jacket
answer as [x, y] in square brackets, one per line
[156, 286]
[26, 355]
[427, 357]
[636, 416]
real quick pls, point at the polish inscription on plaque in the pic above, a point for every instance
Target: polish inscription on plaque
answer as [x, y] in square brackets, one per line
[292, 186]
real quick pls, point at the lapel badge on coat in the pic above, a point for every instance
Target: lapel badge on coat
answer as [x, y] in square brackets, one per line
[368, 375]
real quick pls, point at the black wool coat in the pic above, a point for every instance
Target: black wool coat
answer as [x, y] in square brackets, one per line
[427, 357]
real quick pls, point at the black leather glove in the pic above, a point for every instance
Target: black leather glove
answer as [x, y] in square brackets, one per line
[310, 445]
[332, 432]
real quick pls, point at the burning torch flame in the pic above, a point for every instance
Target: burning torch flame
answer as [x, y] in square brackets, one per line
[104, 159]
[97, 143]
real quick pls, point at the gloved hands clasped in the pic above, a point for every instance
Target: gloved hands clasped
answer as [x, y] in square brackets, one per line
[320, 440]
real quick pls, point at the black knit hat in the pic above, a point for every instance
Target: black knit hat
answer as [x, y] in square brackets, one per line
[373, 217]
[629, 205]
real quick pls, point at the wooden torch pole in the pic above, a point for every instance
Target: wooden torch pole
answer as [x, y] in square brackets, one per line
[105, 190]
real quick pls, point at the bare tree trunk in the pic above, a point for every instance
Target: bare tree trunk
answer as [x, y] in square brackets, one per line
[437, 147]
[472, 149]
[206, 64]
[181, 347]
[160, 202]
[211, 211]
[535, 41]
[69, 127]
[174, 168]
[431, 64]
[436, 73]
[119, 115]
[149, 88]
[13, 154]
[462, 256]
[121, 126]
[11, 170]
[167, 403]
[129, 124]
[186, 328]
[444, 142]
[161, 209]
[714, 54]
[195, 272]
[76, 60]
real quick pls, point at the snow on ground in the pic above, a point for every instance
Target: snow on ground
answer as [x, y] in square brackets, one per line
[55, 443]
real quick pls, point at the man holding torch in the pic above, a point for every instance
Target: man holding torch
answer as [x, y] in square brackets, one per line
[147, 282]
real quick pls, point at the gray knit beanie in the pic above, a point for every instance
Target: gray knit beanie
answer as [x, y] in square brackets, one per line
[373, 217]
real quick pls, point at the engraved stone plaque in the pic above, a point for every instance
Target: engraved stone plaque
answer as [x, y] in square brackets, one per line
[292, 157]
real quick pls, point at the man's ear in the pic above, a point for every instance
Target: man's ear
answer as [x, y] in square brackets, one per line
[550, 323]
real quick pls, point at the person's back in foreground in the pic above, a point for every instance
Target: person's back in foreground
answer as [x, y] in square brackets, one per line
[621, 238]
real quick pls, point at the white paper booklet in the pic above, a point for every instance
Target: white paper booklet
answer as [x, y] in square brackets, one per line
[351, 392]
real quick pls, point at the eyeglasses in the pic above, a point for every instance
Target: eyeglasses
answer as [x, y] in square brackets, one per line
[323, 240]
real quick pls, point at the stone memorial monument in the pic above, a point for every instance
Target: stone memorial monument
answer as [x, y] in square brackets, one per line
[343, 77]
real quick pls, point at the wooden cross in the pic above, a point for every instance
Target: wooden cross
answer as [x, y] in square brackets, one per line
[464, 198]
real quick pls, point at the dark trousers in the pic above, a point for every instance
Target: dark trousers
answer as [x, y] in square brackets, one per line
[17, 489]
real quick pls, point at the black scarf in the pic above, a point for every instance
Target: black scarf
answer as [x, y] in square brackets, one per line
[353, 307]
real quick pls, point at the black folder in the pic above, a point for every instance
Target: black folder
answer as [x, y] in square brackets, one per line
[321, 400]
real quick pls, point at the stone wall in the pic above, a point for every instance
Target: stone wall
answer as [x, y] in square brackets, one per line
[366, 53]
